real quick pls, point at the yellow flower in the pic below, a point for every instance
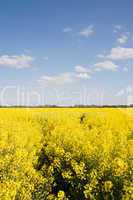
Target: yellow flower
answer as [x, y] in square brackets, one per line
[108, 186]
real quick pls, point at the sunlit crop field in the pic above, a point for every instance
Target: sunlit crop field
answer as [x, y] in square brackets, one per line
[66, 153]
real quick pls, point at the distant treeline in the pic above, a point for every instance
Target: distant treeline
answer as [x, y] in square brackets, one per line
[74, 106]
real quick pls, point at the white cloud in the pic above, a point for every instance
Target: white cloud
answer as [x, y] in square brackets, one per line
[97, 69]
[16, 61]
[120, 93]
[120, 53]
[83, 76]
[123, 35]
[27, 51]
[117, 28]
[107, 65]
[67, 30]
[125, 69]
[81, 69]
[79, 72]
[129, 89]
[122, 39]
[87, 32]
[57, 79]
[82, 72]
[45, 58]
[100, 55]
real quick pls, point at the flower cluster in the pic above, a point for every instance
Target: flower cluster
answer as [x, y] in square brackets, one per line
[62, 154]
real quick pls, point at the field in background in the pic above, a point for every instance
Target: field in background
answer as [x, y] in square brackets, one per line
[72, 153]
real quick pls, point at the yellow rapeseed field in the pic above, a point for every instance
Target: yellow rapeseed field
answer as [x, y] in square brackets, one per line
[66, 153]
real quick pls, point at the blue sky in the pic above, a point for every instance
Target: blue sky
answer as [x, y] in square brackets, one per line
[66, 52]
